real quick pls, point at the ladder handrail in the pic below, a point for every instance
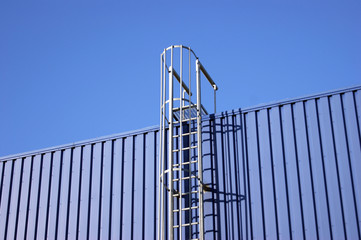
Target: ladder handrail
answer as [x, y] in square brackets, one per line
[206, 74]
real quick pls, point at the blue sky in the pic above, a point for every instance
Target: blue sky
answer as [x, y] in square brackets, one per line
[73, 70]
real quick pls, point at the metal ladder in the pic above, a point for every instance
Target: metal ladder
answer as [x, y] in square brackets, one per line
[180, 202]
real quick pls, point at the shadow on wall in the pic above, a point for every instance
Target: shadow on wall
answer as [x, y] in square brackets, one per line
[225, 204]
[224, 197]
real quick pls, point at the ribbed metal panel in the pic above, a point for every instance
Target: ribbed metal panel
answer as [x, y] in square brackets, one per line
[98, 190]
[279, 171]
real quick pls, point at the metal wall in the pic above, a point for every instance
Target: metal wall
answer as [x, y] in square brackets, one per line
[303, 163]
[279, 171]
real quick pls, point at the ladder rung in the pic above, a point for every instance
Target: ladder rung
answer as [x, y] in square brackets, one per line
[184, 107]
[185, 134]
[184, 194]
[186, 224]
[190, 224]
[185, 163]
[186, 148]
[184, 178]
[186, 120]
[186, 209]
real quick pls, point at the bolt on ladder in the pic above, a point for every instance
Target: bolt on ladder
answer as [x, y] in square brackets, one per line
[180, 199]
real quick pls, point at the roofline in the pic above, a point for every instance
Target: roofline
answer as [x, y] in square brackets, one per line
[300, 99]
[80, 143]
[156, 128]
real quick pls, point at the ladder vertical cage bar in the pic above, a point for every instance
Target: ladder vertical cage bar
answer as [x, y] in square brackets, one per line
[215, 106]
[163, 145]
[161, 157]
[180, 142]
[170, 160]
[199, 143]
[160, 153]
[189, 143]
[160, 141]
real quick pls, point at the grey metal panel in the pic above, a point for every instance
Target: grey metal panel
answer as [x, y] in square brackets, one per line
[44, 196]
[106, 189]
[33, 197]
[55, 187]
[95, 185]
[331, 170]
[128, 180]
[289, 169]
[345, 172]
[292, 173]
[353, 139]
[117, 185]
[255, 195]
[83, 211]
[138, 191]
[220, 180]
[209, 211]
[306, 186]
[267, 176]
[150, 166]
[64, 193]
[5, 197]
[73, 209]
[281, 204]
[233, 198]
[20, 230]
[317, 167]
[14, 202]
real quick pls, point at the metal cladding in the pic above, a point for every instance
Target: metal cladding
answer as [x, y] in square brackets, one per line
[279, 171]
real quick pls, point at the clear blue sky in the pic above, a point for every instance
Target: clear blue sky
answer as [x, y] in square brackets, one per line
[72, 71]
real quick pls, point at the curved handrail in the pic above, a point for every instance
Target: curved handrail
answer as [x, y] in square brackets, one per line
[202, 68]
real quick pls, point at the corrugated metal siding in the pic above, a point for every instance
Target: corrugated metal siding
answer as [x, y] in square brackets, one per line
[289, 169]
[99, 190]
[303, 164]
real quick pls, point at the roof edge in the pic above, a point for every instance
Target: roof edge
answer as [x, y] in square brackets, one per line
[80, 143]
[156, 128]
[298, 99]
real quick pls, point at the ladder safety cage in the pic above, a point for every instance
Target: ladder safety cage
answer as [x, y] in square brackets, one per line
[180, 192]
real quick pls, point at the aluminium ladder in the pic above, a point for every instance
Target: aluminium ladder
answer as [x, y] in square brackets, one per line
[180, 202]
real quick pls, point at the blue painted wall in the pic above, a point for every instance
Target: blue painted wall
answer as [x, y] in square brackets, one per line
[288, 169]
